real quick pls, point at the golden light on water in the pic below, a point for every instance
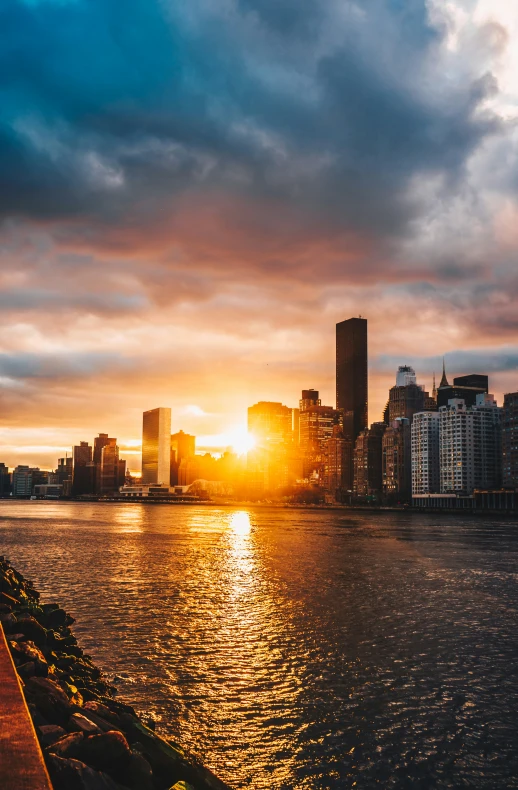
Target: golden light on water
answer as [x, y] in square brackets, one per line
[240, 523]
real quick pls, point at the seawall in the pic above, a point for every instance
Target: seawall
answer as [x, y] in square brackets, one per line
[89, 739]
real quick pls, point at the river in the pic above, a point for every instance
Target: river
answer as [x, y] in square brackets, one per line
[296, 648]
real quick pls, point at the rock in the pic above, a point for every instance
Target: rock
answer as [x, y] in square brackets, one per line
[8, 621]
[49, 607]
[5, 608]
[182, 786]
[104, 712]
[55, 618]
[49, 734]
[79, 723]
[109, 752]
[27, 651]
[69, 774]
[32, 630]
[68, 746]
[138, 774]
[27, 670]
[8, 599]
[50, 699]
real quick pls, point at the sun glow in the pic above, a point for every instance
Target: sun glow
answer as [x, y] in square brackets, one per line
[240, 440]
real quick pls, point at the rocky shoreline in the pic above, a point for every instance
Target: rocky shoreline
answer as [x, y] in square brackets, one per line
[89, 739]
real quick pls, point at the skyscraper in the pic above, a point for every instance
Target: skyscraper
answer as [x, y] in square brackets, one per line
[470, 445]
[351, 375]
[156, 446]
[83, 478]
[425, 453]
[183, 445]
[510, 440]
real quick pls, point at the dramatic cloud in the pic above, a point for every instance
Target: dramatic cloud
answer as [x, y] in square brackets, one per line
[193, 193]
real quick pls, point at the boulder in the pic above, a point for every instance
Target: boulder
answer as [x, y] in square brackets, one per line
[79, 723]
[50, 700]
[108, 752]
[182, 786]
[68, 746]
[32, 629]
[69, 774]
[27, 670]
[49, 734]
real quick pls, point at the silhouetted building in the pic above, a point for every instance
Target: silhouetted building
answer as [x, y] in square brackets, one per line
[83, 475]
[465, 388]
[309, 398]
[425, 453]
[64, 470]
[368, 462]
[510, 440]
[405, 401]
[397, 461]
[470, 445]
[337, 465]
[156, 447]
[121, 473]
[5, 481]
[183, 445]
[351, 375]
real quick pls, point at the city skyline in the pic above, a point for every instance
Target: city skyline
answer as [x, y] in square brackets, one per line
[184, 227]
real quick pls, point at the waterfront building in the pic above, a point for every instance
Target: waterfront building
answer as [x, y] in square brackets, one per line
[5, 481]
[337, 465]
[156, 446]
[316, 424]
[25, 478]
[83, 472]
[183, 445]
[465, 388]
[470, 445]
[274, 460]
[510, 440]
[368, 462]
[351, 375]
[109, 481]
[397, 461]
[425, 453]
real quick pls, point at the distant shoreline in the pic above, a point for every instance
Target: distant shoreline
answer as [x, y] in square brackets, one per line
[353, 509]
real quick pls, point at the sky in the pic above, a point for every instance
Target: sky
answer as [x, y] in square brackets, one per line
[193, 194]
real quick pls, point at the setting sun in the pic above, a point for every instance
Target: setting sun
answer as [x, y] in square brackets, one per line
[240, 440]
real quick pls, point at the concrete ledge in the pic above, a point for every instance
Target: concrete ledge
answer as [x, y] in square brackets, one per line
[21, 760]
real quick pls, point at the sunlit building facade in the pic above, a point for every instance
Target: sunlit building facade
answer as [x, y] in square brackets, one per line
[425, 453]
[156, 447]
[470, 445]
[274, 461]
[183, 446]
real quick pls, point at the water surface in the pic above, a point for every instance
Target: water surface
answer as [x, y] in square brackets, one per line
[296, 648]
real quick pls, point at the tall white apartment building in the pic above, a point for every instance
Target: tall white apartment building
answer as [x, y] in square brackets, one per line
[470, 445]
[425, 453]
[156, 447]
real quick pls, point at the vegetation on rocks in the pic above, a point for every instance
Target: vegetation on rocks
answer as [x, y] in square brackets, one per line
[90, 740]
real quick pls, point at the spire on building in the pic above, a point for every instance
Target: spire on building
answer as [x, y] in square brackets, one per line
[444, 380]
[434, 388]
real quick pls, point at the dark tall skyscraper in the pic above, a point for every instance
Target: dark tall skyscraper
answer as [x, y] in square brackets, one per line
[351, 375]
